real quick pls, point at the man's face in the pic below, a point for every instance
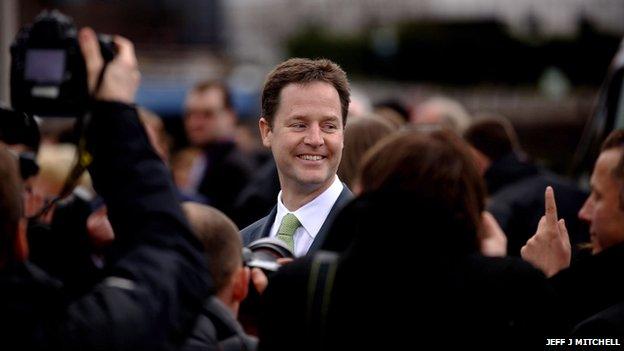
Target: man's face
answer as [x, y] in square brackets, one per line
[306, 136]
[602, 208]
[204, 115]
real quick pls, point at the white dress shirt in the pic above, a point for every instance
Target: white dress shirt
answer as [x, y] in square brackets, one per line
[311, 216]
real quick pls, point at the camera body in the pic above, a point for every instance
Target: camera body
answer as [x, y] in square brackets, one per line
[263, 253]
[48, 72]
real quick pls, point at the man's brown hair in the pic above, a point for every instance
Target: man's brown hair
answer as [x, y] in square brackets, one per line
[494, 136]
[303, 71]
[206, 85]
[434, 167]
[220, 238]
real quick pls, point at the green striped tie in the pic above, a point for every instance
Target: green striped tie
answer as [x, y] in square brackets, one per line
[286, 231]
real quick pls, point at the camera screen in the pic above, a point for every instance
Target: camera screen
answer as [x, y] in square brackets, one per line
[45, 65]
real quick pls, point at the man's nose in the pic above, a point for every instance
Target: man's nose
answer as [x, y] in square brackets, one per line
[314, 136]
[584, 213]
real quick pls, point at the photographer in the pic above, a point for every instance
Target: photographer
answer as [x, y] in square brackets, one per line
[156, 281]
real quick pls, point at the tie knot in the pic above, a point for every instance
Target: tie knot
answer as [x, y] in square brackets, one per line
[289, 225]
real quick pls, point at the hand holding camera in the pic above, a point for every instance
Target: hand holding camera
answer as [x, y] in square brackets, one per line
[121, 77]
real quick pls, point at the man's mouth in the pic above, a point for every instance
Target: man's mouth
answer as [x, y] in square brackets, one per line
[311, 157]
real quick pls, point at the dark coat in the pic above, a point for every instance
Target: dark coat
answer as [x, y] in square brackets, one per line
[227, 172]
[516, 200]
[608, 322]
[157, 278]
[258, 197]
[262, 227]
[407, 281]
[217, 330]
[592, 284]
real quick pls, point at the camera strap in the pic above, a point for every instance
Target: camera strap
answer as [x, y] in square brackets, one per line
[83, 157]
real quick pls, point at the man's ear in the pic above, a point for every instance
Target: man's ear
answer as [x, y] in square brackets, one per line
[265, 132]
[240, 285]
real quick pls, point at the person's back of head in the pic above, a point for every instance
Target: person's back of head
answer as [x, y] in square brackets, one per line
[10, 209]
[394, 111]
[493, 136]
[360, 135]
[426, 177]
[443, 111]
[223, 248]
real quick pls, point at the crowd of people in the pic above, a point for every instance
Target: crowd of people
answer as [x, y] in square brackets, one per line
[428, 228]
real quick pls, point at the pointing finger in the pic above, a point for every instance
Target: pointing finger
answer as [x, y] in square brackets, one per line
[550, 205]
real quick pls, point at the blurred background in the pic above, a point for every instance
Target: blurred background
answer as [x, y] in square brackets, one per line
[539, 63]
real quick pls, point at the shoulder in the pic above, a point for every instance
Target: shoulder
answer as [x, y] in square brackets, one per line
[607, 322]
[248, 232]
[203, 337]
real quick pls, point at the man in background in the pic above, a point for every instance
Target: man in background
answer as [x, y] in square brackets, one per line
[221, 171]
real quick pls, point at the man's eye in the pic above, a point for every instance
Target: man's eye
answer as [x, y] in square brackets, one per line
[298, 125]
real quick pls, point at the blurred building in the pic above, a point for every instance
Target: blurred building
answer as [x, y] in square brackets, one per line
[256, 29]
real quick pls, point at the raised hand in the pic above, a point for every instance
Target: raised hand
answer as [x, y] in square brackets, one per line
[122, 77]
[492, 239]
[549, 249]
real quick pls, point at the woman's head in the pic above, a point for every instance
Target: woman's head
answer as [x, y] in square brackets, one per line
[359, 136]
[432, 171]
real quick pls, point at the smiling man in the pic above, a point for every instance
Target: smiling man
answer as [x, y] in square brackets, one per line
[304, 110]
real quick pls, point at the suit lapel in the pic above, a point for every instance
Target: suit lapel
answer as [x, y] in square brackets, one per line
[265, 230]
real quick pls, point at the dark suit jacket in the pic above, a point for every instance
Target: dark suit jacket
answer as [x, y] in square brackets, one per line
[517, 201]
[262, 227]
[227, 172]
[592, 284]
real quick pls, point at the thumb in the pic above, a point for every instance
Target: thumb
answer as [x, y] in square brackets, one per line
[259, 280]
[563, 231]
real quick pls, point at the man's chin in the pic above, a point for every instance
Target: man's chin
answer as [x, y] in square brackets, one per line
[314, 183]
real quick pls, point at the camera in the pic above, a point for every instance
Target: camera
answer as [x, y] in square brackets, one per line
[18, 128]
[48, 72]
[263, 253]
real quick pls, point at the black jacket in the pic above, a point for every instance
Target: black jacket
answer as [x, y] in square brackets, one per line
[592, 284]
[227, 172]
[516, 200]
[217, 329]
[409, 279]
[157, 279]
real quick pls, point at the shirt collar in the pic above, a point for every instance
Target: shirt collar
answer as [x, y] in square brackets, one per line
[313, 214]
